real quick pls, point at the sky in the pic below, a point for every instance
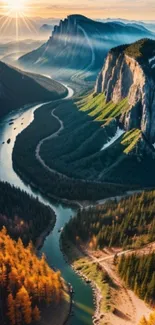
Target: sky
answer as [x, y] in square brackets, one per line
[129, 9]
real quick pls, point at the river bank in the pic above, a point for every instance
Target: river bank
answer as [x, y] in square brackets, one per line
[78, 260]
[73, 204]
[58, 315]
[40, 240]
[50, 241]
[115, 304]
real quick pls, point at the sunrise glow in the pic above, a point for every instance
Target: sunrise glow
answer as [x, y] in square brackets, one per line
[16, 6]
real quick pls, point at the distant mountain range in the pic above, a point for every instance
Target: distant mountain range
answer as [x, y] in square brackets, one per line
[20, 46]
[18, 88]
[47, 29]
[78, 46]
[149, 24]
[27, 27]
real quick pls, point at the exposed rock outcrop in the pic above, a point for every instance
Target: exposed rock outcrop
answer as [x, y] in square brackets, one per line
[129, 73]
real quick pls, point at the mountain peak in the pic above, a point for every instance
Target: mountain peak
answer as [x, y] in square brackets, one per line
[77, 16]
[141, 50]
[79, 45]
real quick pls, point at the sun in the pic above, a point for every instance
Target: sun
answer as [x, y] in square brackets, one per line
[16, 12]
[16, 6]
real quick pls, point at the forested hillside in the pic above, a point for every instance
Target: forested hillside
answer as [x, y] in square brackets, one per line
[118, 238]
[26, 283]
[22, 215]
[100, 149]
[138, 273]
[19, 88]
[129, 223]
[25, 161]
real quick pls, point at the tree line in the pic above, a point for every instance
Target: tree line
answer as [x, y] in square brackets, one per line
[23, 215]
[27, 283]
[128, 223]
[138, 273]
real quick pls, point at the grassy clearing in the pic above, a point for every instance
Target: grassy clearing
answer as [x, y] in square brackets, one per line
[130, 140]
[112, 110]
[97, 107]
[95, 274]
[83, 99]
[91, 103]
[91, 271]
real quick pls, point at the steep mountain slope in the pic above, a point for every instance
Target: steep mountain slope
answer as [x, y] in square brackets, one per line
[78, 46]
[113, 133]
[129, 72]
[18, 88]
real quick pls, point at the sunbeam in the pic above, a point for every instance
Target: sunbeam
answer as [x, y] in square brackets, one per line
[5, 23]
[25, 22]
[28, 23]
[17, 33]
[15, 13]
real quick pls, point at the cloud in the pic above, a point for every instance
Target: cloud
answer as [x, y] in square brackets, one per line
[131, 9]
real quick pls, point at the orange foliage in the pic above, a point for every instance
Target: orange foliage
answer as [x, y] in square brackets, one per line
[27, 281]
[150, 321]
[93, 242]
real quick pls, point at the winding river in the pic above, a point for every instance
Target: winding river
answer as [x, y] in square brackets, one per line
[83, 308]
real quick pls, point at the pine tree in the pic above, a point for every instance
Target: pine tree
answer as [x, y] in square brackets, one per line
[27, 280]
[143, 321]
[23, 304]
[152, 319]
[151, 289]
[36, 314]
[11, 309]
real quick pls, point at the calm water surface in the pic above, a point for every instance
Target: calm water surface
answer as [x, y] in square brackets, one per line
[83, 298]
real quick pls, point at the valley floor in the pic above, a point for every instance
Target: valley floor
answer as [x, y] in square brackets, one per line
[115, 304]
[27, 158]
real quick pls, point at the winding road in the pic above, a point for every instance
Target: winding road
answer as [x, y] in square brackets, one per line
[52, 136]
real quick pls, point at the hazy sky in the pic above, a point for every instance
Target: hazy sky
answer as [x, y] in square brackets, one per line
[131, 9]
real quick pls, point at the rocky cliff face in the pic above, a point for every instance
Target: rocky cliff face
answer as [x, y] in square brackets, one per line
[68, 28]
[78, 45]
[130, 72]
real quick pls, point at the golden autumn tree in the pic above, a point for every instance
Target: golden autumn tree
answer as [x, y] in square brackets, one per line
[151, 320]
[23, 303]
[26, 282]
[36, 314]
[11, 309]
[143, 321]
